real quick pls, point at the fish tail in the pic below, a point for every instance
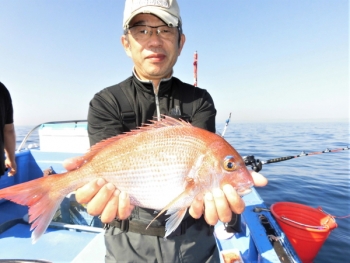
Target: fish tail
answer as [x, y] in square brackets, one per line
[41, 196]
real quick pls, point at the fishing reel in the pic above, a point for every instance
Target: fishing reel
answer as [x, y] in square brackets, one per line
[256, 164]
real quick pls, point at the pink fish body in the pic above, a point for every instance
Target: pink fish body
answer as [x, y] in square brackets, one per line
[162, 166]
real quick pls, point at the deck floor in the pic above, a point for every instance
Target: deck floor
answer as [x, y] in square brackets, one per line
[10, 211]
[56, 245]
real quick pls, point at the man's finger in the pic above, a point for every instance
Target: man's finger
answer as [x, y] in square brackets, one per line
[259, 179]
[235, 201]
[222, 206]
[111, 208]
[210, 213]
[12, 172]
[99, 201]
[197, 207]
[85, 193]
[73, 163]
[124, 208]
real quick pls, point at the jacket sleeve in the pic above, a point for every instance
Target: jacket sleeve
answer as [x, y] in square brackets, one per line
[103, 117]
[204, 111]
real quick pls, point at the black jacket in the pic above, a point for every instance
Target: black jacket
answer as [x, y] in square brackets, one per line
[105, 114]
[105, 119]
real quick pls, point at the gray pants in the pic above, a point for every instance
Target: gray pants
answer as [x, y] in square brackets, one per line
[196, 245]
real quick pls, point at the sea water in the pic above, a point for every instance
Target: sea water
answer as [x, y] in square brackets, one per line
[318, 181]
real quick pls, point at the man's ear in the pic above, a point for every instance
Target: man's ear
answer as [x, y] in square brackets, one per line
[126, 45]
[182, 43]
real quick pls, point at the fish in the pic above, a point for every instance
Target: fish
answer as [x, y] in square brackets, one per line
[162, 165]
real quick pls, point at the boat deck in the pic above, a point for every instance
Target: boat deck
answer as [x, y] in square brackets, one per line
[60, 243]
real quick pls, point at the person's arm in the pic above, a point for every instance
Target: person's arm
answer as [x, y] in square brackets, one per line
[10, 147]
[102, 198]
[103, 117]
[204, 111]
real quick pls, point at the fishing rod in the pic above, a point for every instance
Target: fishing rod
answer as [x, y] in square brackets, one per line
[227, 122]
[195, 66]
[256, 164]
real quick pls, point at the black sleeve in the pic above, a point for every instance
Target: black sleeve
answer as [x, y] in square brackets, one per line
[103, 117]
[6, 105]
[204, 111]
[6, 117]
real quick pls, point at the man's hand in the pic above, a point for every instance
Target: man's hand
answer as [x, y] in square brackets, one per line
[220, 204]
[12, 166]
[102, 198]
[10, 147]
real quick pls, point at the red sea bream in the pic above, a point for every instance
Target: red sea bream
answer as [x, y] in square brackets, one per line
[162, 166]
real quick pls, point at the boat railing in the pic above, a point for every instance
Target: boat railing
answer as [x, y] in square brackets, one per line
[21, 146]
[77, 227]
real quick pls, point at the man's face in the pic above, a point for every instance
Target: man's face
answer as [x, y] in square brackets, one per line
[154, 55]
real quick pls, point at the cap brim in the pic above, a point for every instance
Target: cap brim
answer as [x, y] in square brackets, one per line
[166, 17]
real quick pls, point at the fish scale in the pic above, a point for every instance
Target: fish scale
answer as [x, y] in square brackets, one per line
[176, 168]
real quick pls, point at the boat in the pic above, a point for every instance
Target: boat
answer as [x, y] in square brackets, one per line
[75, 236]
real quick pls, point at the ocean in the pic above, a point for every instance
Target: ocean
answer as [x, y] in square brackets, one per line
[318, 181]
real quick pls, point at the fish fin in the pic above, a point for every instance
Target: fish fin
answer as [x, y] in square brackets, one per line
[176, 215]
[41, 200]
[174, 221]
[44, 212]
[166, 121]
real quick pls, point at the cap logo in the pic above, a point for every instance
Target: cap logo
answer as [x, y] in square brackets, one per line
[140, 3]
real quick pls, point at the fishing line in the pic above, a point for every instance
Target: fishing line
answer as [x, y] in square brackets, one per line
[338, 217]
[341, 217]
[256, 164]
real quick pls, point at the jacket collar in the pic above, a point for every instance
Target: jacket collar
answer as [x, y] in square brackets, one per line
[147, 85]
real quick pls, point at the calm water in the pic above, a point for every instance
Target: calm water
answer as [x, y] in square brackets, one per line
[320, 180]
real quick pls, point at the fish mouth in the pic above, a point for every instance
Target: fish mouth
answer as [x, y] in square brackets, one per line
[244, 189]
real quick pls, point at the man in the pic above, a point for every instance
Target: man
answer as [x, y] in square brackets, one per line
[153, 39]
[7, 133]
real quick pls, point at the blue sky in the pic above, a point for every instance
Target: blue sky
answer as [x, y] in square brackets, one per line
[262, 60]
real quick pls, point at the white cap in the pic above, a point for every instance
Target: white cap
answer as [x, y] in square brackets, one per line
[166, 10]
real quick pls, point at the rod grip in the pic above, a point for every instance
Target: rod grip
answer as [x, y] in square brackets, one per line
[280, 159]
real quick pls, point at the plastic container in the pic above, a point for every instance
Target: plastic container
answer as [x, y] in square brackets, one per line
[307, 228]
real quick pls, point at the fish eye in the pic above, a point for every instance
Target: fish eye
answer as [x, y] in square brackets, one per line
[229, 163]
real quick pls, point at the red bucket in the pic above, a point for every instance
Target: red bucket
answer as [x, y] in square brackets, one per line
[307, 228]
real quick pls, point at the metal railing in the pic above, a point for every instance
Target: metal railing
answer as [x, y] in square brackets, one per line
[36, 127]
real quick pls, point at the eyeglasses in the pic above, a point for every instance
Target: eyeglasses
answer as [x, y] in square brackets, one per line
[143, 32]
